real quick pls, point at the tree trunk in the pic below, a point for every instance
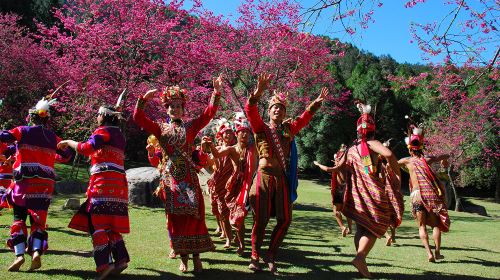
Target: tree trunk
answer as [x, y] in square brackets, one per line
[497, 191]
[458, 204]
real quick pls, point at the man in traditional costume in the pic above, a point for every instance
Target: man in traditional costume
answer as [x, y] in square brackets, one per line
[243, 156]
[34, 178]
[427, 193]
[367, 201]
[220, 177]
[181, 189]
[273, 193]
[338, 188]
[105, 212]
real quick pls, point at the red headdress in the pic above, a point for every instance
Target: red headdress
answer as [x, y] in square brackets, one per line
[364, 125]
[240, 122]
[415, 139]
[173, 94]
[278, 98]
[222, 126]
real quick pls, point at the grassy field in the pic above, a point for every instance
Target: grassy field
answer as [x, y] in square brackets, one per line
[313, 248]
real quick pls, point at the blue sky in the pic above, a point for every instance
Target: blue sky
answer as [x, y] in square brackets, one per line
[389, 35]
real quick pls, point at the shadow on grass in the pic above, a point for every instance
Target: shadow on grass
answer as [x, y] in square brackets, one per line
[310, 207]
[68, 231]
[82, 274]
[477, 261]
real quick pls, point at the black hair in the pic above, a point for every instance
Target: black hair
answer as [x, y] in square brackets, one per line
[37, 120]
[110, 120]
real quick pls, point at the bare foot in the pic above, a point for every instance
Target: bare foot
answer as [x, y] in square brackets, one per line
[172, 254]
[439, 256]
[272, 267]
[119, 268]
[228, 244]
[36, 261]
[240, 251]
[197, 264]
[344, 231]
[254, 265]
[360, 265]
[388, 241]
[183, 266]
[431, 259]
[222, 236]
[16, 264]
[103, 274]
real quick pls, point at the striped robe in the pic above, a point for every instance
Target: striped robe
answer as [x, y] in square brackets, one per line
[366, 200]
[431, 192]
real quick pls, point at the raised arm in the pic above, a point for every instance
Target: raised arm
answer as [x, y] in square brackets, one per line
[218, 153]
[251, 109]
[210, 111]
[337, 168]
[299, 123]
[140, 117]
[433, 159]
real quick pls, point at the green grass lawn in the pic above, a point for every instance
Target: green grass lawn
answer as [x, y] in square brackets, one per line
[313, 248]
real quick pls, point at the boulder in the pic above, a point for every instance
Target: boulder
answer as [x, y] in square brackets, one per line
[72, 203]
[142, 182]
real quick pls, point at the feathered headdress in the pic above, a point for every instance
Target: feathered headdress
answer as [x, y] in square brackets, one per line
[42, 108]
[173, 94]
[278, 98]
[222, 126]
[364, 125]
[117, 110]
[415, 139]
[240, 122]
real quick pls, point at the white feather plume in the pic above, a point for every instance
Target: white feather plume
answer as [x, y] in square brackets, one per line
[417, 131]
[120, 98]
[44, 105]
[407, 140]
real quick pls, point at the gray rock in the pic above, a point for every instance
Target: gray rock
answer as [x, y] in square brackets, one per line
[142, 182]
[72, 203]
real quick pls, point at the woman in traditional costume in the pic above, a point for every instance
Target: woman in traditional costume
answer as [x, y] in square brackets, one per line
[181, 191]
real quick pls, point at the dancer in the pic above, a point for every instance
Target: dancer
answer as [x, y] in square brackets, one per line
[104, 215]
[34, 176]
[244, 158]
[220, 177]
[338, 191]
[427, 193]
[271, 189]
[366, 201]
[184, 205]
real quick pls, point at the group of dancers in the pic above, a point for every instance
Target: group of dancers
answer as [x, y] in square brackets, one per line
[255, 169]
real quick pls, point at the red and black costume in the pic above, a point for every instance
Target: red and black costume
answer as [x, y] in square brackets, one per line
[105, 212]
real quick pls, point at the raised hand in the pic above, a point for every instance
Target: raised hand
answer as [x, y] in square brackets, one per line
[218, 82]
[322, 95]
[149, 94]
[150, 148]
[262, 85]
[63, 144]
[316, 163]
